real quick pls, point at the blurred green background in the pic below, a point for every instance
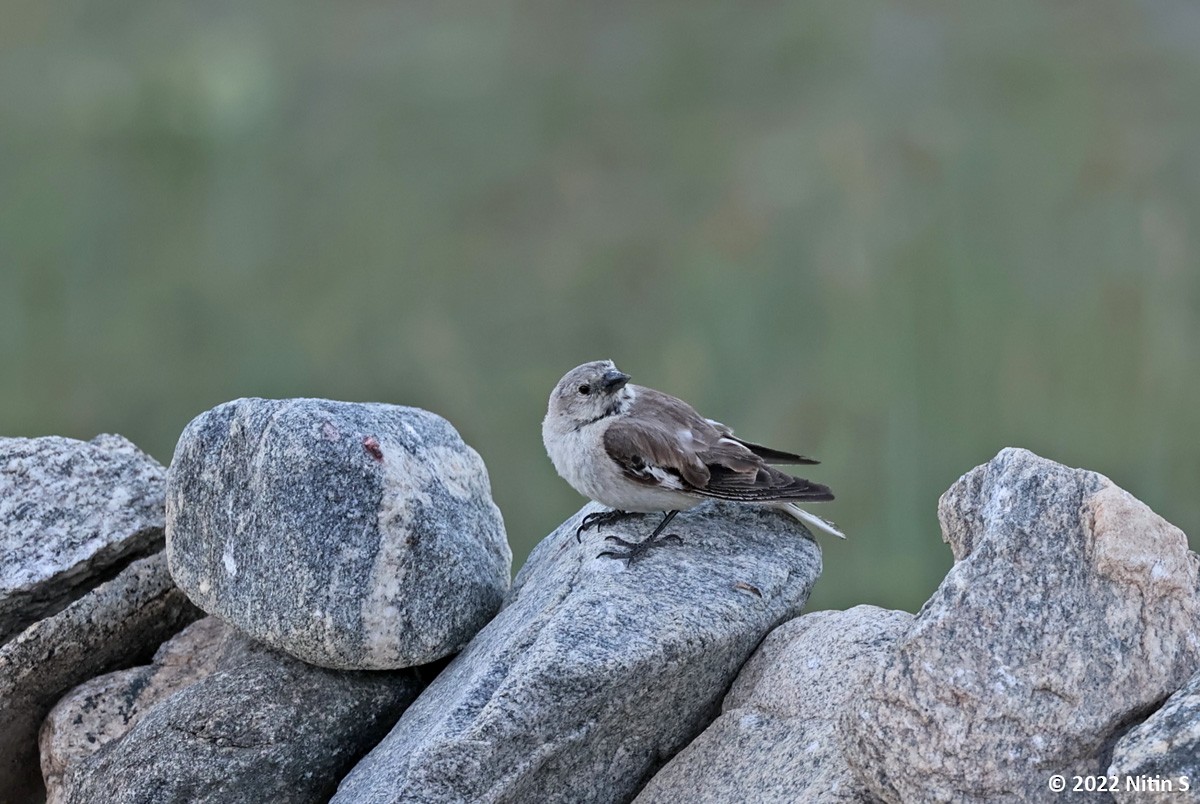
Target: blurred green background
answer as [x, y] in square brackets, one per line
[895, 236]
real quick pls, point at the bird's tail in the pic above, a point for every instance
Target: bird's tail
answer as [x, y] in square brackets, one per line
[811, 520]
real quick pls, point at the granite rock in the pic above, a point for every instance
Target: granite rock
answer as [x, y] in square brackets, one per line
[1164, 748]
[72, 513]
[596, 671]
[352, 536]
[262, 727]
[776, 738]
[118, 624]
[104, 708]
[1070, 613]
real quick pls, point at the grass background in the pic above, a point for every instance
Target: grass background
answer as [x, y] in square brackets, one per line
[896, 236]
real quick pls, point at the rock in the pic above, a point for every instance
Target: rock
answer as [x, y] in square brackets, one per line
[262, 727]
[595, 673]
[1165, 748]
[352, 536]
[106, 707]
[72, 513]
[776, 738]
[118, 624]
[1071, 611]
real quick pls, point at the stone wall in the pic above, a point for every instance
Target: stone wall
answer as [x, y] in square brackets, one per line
[331, 619]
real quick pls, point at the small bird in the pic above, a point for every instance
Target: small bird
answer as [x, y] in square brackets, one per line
[637, 450]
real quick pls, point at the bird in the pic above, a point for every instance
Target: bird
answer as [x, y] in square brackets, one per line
[638, 451]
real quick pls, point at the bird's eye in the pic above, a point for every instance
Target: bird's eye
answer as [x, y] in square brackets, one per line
[585, 389]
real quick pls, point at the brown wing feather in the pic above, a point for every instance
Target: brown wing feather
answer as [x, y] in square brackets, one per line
[712, 463]
[774, 455]
[638, 447]
[765, 485]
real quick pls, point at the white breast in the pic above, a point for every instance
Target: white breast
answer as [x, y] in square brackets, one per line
[580, 458]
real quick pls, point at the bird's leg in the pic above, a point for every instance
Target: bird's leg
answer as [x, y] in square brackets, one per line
[599, 518]
[634, 550]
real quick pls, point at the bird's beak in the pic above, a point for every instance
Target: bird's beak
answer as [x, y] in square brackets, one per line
[614, 379]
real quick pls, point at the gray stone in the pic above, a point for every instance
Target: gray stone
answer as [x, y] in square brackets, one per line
[71, 514]
[596, 672]
[1071, 611]
[352, 536]
[1165, 748]
[106, 707]
[118, 624]
[776, 739]
[262, 727]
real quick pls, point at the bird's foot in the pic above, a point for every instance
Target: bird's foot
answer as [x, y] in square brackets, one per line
[600, 518]
[632, 551]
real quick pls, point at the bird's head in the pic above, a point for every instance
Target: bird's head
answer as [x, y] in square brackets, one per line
[588, 393]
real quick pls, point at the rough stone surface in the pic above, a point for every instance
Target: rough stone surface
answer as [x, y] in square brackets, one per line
[118, 624]
[776, 740]
[1071, 612]
[1165, 747]
[262, 727]
[71, 512]
[106, 707]
[352, 536]
[596, 672]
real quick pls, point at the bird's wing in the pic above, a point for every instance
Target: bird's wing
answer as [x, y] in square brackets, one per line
[762, 485]
[664, 442]
[773, 455]
[652, 454]
[766, 453]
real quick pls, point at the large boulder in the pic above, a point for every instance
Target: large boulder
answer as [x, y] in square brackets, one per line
[1071, 611]
[118, 624]
[776, 738]
[597, 670]
[72, 513]
[1159, 760]
[352, 536]
[260, 727]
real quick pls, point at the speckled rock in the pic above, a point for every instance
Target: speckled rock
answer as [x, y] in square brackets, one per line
[106, 707]
[776, 739]
[118, 624]
[262, 727]
[1071, 611]
[1165, 748]
[71, 514]
[352, 536]
[596, 672]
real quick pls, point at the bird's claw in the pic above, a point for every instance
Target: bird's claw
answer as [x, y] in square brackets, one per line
[632, 551]
[599, 519]
[666, 537]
